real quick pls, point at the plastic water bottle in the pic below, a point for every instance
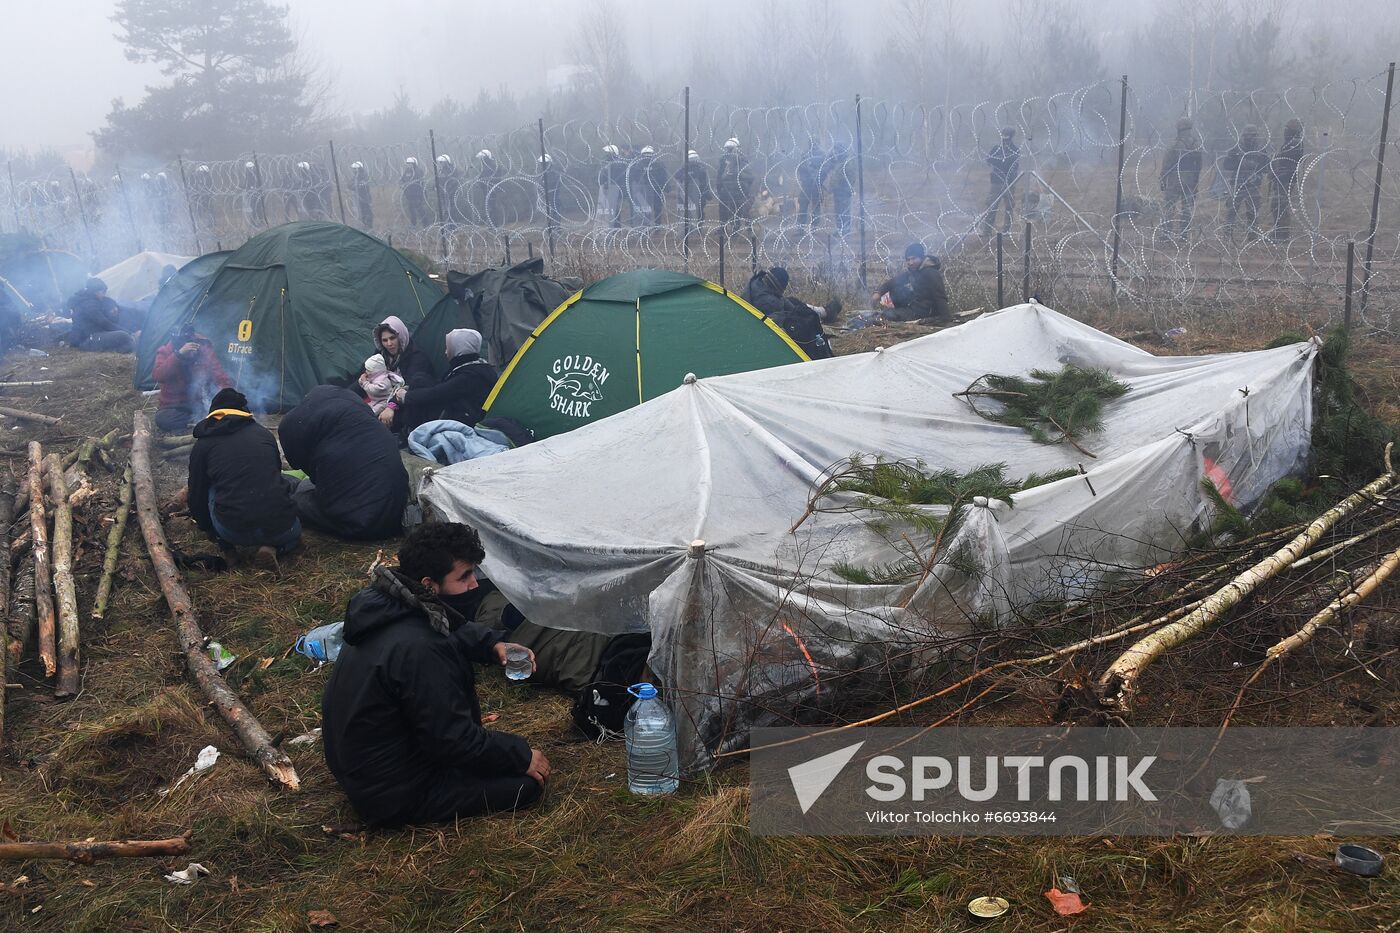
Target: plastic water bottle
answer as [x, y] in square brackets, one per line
[652, 764]
[518, 664]
[322, 643]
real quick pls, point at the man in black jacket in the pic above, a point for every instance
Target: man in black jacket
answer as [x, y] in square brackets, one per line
[97, 320]
[461, 393]
[357, 487]
[400, 715]
[237, 494]
[918, 292]
[802, 322]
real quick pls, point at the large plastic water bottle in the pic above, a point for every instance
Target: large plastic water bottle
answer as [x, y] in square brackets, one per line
[322, 643]
[652, 764]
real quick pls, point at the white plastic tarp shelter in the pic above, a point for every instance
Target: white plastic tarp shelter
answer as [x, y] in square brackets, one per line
[593, 529]
[138, 277]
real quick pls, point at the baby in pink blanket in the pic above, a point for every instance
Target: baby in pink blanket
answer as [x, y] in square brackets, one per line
[379, 384]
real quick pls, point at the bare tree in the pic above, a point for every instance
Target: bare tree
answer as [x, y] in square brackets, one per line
[605, 55]
[824, 48]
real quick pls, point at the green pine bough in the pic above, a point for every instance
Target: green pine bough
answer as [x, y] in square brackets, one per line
[1053, 407]
[893, 496]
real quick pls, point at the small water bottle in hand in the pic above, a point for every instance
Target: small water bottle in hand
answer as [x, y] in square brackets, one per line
[518, 663]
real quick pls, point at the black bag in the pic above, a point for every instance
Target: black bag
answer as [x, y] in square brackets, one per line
[602, 706]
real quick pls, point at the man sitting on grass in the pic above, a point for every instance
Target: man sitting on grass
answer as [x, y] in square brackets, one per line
[400, 715]
[237, 494]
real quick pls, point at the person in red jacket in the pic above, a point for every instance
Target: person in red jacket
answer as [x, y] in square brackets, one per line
[189, 374]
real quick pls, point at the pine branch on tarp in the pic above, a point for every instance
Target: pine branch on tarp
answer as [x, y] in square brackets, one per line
[1052, 407]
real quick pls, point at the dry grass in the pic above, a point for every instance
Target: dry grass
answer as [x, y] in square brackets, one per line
[592, 857]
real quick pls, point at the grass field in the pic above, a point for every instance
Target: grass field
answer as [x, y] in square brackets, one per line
[592, 856]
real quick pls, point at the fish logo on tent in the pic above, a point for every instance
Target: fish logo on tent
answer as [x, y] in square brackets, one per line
[574, 391]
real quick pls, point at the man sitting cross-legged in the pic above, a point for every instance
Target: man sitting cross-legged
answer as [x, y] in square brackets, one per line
[400, 715]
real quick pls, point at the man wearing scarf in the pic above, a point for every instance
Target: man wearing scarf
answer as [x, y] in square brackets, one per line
[400, 716]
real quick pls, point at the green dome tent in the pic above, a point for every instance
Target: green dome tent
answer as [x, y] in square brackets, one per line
[291, 309]
[630, 338]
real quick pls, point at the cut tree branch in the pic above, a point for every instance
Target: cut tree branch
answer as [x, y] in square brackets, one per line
[43, 600]
[63, 586]
[114, 546]
[29, 416]
[85, 853]
[250, 732]
[1119, 682]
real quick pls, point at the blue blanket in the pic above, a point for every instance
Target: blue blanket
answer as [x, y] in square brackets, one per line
[450, 442]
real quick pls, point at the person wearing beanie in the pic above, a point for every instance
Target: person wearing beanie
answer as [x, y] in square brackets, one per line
[237, 494]
[461, 393]
[97, 321]
[188, 373]
[917, 293]
[801, 321]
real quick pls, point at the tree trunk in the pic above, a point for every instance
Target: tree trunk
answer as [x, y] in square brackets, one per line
[250, 732]
[29, 416]
[63, 585]
[22, 614]
[88, 852]
[7, 505]
[1118, 683]
[114, 546]
[43, 601]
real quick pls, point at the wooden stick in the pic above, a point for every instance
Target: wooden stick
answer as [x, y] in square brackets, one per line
[114, 546]
[175, 440]
[74, 456]
[29, 416]
[1327, 552]
[7, 504]
[250, 732]
[85, 853]
[172, 453]
[22, 614]
[17, 385]
[63, 585]
[1119, 681]
[43, 602]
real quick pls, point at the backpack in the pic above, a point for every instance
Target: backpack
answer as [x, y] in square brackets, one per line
[602, 705]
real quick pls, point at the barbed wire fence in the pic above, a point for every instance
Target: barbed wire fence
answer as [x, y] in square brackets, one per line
[1285, 203]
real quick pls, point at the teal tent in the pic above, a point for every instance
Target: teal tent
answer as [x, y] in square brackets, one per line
[291, 309]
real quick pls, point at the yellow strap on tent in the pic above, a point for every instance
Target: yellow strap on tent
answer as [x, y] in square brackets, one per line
[496, 389]
[801, 354]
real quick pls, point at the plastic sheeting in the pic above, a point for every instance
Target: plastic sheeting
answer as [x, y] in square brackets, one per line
[138, 277]
[593, 530]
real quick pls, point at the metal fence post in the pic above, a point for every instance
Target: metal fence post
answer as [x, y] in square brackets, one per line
[189, 205]
[1118, 194]
[1346, 304]
[685, 185]
[441, 213]
[335, 174]
[1026, 275]
[14, 196]
[860, 183]
[82, 212]
[1001, 294]
[130, 217]
[1376, 197]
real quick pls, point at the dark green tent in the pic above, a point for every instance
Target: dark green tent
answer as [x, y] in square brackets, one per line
[504, 305]
[291, 309]
[630, 338]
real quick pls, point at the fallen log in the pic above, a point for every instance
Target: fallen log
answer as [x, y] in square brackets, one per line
[43, 602]
[175, 440]
[21, 614]
[173, 453]
[1118, 683]
[63, 586]
[29, 416]
[85, 853]
[250, 732]
[7, 505]
[74, 457]
[114, 544]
